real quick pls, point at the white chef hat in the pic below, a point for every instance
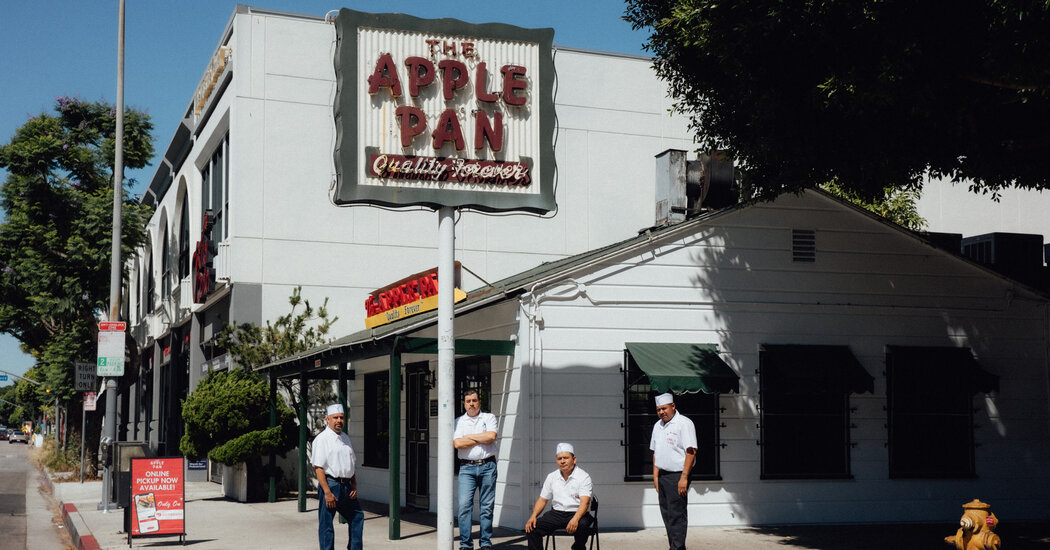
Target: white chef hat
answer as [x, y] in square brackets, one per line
[335, 408]
[664, 399]
[565, 448]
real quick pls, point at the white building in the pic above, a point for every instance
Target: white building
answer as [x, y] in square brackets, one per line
[744, 291]
[851, 372]
[256, 148]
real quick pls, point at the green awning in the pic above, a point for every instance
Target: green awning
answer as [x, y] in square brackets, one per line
[816, 368]
[684, 368]
[943, 363]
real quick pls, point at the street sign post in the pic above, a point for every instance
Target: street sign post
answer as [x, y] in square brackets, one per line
[111, 348]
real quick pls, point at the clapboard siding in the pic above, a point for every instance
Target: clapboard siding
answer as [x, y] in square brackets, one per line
[733, 284]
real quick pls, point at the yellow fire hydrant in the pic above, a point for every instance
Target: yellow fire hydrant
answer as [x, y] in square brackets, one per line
[976, 528]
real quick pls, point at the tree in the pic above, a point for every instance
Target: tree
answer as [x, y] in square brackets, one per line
[252, 346]
[896, 205]
[224, 419]
[227, 421]
[56, 234]
[867, 94]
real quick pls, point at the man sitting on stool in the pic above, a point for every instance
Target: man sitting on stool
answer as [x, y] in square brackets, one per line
[569, 490]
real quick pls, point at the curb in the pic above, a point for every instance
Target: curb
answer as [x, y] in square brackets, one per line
[78, 529]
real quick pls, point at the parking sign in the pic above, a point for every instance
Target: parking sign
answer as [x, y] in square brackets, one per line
[110, 349]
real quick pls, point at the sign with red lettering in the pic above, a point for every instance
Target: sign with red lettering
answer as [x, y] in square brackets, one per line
[203, 259]
[90, 401]
[158, 497]
[409, 296]
[440, 112]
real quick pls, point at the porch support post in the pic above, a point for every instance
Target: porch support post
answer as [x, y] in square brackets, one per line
[272, 465]
[304, 394]
[394, 461]
[342, 392]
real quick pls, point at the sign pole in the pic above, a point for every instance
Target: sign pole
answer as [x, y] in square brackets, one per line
[110, 424]
[446, 370]
[83, 425]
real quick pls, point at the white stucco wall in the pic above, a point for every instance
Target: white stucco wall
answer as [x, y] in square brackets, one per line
[953, 208]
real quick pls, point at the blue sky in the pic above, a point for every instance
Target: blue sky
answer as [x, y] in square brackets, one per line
[69, 48]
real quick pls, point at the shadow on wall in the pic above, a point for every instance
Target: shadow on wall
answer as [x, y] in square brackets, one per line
[857, 292]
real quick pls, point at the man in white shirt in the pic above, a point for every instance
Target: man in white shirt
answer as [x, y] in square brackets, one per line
[569, 491]
[475, 441]
[335, 466]
[674, 451]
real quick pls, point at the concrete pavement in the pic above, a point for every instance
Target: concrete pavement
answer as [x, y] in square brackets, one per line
[214, 522]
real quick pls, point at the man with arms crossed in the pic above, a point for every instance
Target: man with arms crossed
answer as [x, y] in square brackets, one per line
[569, 490]
[335, 466]
[674, 450]
[475, 441]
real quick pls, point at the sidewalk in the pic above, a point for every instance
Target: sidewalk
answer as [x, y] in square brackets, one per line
[214, 522]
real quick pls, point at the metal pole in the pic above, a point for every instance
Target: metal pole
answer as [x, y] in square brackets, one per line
[83, 425]
[110, 427]
[446, 369]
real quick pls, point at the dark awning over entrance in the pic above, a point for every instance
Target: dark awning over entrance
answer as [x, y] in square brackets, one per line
[684, 368]
[832, 368]
[918, 361]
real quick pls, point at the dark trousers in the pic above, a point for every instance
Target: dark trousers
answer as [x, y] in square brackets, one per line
[351, 510]
[551, 521]
[673, 509]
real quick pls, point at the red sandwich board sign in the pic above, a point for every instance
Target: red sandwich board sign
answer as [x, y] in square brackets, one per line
[158, 497]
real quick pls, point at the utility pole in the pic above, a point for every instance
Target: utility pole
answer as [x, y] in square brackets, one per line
[110, 426]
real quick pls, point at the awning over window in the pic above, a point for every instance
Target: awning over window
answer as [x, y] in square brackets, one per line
[943, 361]
[684, 368]
[832, 368]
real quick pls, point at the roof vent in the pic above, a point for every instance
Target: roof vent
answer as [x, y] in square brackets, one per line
[684, 187]
[803, 245]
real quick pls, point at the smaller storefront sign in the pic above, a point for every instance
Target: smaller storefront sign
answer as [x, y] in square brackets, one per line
[409, 296]
[90, 401]
[158, 497]
[197, 464]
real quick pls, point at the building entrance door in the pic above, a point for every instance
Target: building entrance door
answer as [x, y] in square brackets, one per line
[417, 435]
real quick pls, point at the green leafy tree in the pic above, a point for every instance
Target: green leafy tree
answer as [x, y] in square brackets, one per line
[227, 420]
[896, 205]
[224, 416]
[253, 346]
[55, 237]
[867, 94]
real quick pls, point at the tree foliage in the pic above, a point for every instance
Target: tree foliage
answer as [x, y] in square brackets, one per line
[228, 420]
[252, 346]
[56, 233]
[897, 205]
[867, 94]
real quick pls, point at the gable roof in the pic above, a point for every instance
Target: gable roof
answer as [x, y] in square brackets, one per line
[520, 283]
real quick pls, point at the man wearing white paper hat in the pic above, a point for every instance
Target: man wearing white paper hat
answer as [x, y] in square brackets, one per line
[335, 466]
[569, 491]
[674, 451]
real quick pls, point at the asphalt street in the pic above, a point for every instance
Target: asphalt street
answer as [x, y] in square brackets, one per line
[27, 512]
